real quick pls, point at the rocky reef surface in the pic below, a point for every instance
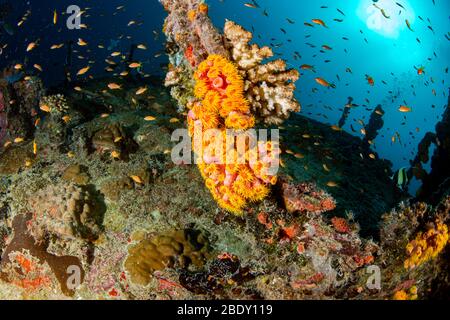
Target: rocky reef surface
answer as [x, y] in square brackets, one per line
[92, 207]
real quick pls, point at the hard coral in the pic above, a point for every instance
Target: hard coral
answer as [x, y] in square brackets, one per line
[65, 211]
[269, 87]
[427, 245]
[176, 248]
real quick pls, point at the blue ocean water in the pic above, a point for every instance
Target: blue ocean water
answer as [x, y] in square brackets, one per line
[366, 39]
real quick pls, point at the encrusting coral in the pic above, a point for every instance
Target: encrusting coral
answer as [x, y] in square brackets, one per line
[427, 245]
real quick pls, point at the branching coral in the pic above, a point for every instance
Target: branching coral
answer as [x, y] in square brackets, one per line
[268, 87]
[427, 245]
[232, 182]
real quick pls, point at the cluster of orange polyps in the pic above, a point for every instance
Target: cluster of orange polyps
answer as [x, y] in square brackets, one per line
[235, 176]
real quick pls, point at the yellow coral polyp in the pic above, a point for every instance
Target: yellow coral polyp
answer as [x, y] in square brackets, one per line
[192, 15]
[426, 246]
[220, 89]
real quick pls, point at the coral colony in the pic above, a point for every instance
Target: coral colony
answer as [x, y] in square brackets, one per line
[92, 205]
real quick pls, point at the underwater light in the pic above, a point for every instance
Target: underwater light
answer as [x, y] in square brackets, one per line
[385, 17]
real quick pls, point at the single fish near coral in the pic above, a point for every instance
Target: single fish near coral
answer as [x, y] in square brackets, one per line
[141, 90]
[45, 108]
[137, 179]
[114, 86]
[149, 118]
[115, 154]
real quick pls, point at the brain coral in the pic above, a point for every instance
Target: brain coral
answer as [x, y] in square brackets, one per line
[175, 248]
[65, 211]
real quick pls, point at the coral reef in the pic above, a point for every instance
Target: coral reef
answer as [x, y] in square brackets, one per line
[177, 248]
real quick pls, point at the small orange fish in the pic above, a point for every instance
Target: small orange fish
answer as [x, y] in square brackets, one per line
[134, 65]
[141, 90]
[370, 80]
[137, 179]
[31, 46]
[45, 108]
[319, 22]
[322, 82]
[36, 66]
[307, 67]
[114, 86]
[81, 42]
[83, 71]
[421, 70]
[404, 109]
